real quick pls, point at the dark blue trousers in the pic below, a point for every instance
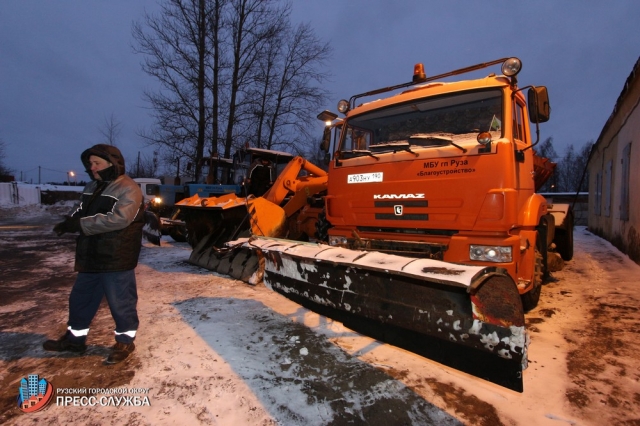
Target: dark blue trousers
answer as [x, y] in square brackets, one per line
[120, 290]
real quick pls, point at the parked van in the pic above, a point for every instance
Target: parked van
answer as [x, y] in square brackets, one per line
[149, 187]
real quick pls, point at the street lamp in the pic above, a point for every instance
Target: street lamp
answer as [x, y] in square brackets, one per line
[70, 175]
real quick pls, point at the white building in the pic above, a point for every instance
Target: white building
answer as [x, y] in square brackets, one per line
[614, 173]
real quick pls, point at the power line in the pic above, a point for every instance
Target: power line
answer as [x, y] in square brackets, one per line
[53, 170]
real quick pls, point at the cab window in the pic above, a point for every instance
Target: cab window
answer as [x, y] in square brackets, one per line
[356, 139]
[518, 123]
[152, 189]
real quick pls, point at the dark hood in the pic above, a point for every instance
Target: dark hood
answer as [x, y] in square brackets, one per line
[106, 152]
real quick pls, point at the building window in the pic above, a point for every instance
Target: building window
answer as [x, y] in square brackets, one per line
[607, 188]
[624, 184]
[597, 205]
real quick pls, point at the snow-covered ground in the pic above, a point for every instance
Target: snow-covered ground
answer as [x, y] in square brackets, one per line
[216, 351]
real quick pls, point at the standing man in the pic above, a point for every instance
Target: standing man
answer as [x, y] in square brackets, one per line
[259, 177]
[109, 221]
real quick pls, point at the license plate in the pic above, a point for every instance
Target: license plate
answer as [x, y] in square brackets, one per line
[365, 178]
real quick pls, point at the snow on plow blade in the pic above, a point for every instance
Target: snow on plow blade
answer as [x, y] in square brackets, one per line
[466, 317]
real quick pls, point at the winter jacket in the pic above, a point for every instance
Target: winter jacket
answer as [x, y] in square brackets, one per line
[111, 217]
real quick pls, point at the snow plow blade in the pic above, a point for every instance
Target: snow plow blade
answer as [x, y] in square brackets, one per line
[467, 317]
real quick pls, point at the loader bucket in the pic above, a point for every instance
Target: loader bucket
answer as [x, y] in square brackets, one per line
[212, 218]
[212, 222]
[267, 219]
[210, 225]
[468, 317]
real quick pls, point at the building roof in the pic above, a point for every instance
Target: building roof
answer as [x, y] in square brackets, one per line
[635, 74]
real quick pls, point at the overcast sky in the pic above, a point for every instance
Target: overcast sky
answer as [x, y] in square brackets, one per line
[66, 66]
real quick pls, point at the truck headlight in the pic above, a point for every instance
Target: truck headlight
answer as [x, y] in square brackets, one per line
[511, 67]
[490, 253]
[157, 200]
[337, 241]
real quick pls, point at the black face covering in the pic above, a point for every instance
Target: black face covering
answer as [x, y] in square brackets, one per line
[108, 174]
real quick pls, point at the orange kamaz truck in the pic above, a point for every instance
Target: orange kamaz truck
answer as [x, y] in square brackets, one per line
[446, 170]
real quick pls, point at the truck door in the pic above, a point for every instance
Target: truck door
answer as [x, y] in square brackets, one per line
[522, 140]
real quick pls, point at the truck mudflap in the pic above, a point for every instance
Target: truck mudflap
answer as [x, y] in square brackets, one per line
[463, 316]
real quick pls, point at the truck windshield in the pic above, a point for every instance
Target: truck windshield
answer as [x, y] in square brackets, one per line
[426, 122]
[152, 189]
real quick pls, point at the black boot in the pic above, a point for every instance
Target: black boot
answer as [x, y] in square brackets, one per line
[120, 352]
[64, 345]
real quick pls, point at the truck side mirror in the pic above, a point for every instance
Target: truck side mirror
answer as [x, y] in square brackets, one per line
[326, 139]
[539, 108]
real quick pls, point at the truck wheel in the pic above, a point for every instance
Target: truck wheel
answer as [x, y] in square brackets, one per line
[564, 240]
[530, 299]
[178, 233]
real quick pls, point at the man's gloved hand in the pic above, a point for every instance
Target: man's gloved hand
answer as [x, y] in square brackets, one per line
[70, 224]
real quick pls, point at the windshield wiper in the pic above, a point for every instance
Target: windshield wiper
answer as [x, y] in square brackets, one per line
[395, 146]
[438, 139]
[365, 152]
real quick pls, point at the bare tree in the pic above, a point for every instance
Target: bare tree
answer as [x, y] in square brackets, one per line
[252, 23]
[573, 168]
[293, 101]
[231, 72]
[175, 50]
[217, 63]
[4, 170]
[143, 166]
[315, 155]
[261, 94]
[110, 129]
[569, 169]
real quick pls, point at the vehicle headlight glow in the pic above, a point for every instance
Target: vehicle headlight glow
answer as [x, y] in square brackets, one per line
[157, 200]
[498, 254]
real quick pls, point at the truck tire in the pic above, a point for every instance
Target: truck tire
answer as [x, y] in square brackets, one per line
[531, 298]
[564, 240]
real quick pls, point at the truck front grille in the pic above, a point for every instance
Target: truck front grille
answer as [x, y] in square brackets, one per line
[401, 248]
